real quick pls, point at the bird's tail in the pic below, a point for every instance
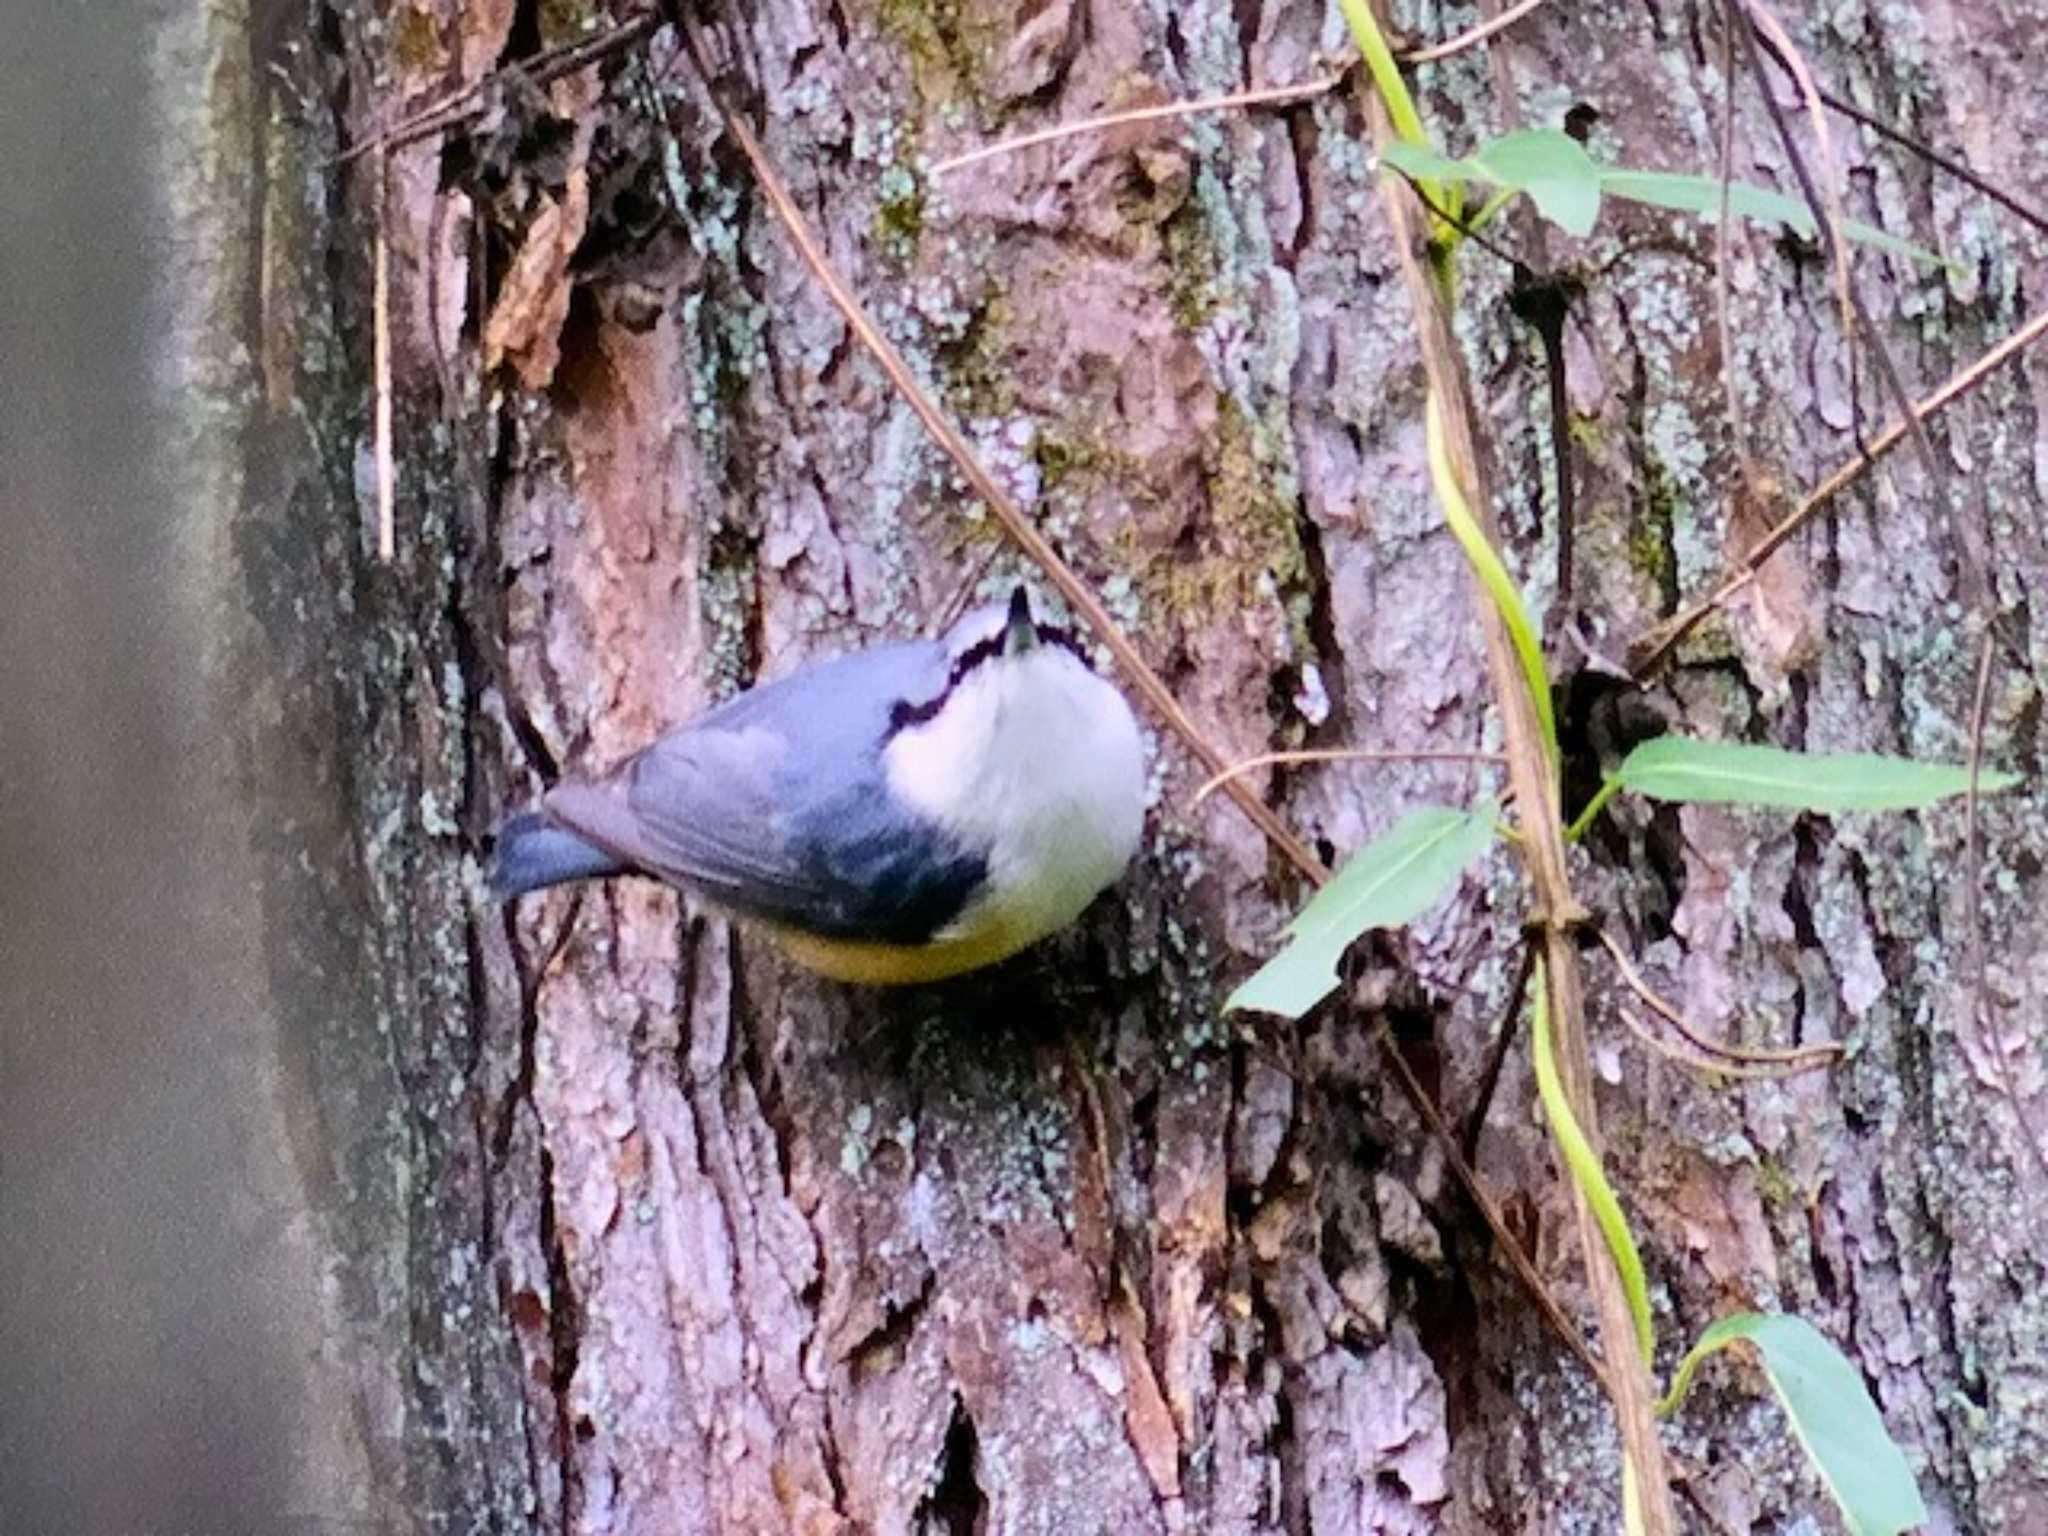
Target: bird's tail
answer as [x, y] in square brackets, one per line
[533, 852]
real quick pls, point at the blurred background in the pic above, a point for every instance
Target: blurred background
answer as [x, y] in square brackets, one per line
[158, 1300]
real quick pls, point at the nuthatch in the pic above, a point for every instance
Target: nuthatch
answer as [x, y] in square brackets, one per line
[901, 814]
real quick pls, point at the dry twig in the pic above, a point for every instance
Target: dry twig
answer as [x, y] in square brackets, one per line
[1510, 1246]
[1497, 1057]
[1751, 1061]
[1264, 96]
[1973, 895]
[1705, 1064]
[1653, 647]
[1334, 755]
[1472, 37]
[467, 104]
[1260, 96]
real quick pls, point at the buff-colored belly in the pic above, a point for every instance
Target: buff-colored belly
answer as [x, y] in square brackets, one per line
[895, 965]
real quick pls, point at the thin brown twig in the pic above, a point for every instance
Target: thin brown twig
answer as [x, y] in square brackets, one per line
[1747, 1056]
[1258, 96]
[1468, 1177]
[1825, 203]
[1460, 224]
[1263, 96]
[465, 104]
[1829, 215]
[1954, 167]
[1472, 37]
[1980, 1014]
[1335, 755]
[1655, 646]
[1764, 1059]
[1753, 1072]
[1497, 1057]
[1020, 528]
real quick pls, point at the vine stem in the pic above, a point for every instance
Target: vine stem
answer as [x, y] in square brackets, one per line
[1084, 602]
[1532, 775]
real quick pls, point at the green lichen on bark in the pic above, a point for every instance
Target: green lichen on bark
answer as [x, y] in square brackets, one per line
[949, 46]
[1189, 251]
[975, 363]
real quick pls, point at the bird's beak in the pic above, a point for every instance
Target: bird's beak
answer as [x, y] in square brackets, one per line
[1021, 634]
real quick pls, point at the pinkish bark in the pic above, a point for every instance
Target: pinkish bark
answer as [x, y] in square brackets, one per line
[1061, 1248]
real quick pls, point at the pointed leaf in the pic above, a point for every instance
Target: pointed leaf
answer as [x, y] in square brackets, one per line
[1567, 184]
[1734, 773]
[1702, 194]
[1832, 1415]
[1551, 167]
[1424, 162]
[1390, 881]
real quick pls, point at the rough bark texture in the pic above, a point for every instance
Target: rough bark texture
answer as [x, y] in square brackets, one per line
[639, 1230]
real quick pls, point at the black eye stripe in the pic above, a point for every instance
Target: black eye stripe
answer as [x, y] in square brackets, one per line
[908, 712]
[1068, 641]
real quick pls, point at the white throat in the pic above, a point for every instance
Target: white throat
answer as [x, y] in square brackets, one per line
[1035, 763]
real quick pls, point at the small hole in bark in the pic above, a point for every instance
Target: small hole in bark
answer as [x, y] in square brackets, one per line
[955, 1505]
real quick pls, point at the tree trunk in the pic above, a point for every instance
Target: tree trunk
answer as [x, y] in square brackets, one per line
[633, 1227]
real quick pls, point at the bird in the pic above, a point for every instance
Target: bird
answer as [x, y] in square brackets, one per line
[899, 814]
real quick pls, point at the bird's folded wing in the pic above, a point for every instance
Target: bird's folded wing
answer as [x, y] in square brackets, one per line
[698, 808]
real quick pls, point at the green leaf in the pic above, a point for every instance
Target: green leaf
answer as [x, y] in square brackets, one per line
[1485, 562]
[1567, 185]
[1424, 162]
[1583, 1163]
[1390, 881]
[1702, 194]
[1838, 1426]
[1732, 773]
[1551, 167]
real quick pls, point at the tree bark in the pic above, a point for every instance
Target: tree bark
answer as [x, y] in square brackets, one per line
[638, 1229]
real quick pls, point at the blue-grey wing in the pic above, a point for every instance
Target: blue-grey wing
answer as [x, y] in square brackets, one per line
[774, 805]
